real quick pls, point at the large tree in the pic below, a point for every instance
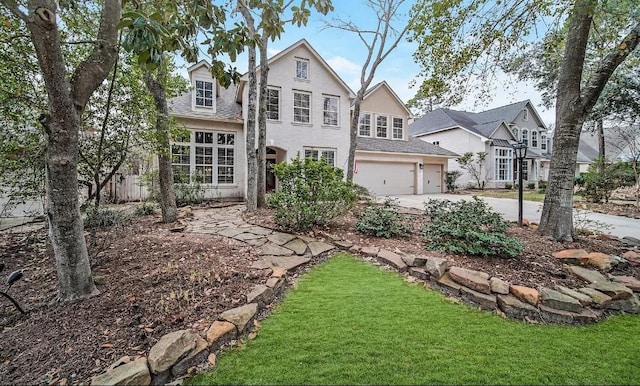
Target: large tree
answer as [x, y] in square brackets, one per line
[462, 44]
[68, 91]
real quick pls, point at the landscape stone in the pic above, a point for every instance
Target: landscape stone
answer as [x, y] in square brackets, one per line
[278, 272]
[514, 308]
[259, 230]
[247, 236]
[356, 249]
[285, 262]
[601, 300]
[583, 298]
[370, 251]
[499, 286]
[631, 241]
[195, 357]
[257, 242]
[230, 232]
[220, 333]
[560, 301]
[585, 274]
[446, 283]
[414, 261]
[554, 315]
[393, 259]
[483, 300]
[260, 294]
[132, 372]
[436, 266]
[170, 349]
[277, 284]
[272, 249]
[343, 244]
[419, 273]
[476, 280]
[630, 305]
[615, 290]
[525, 294]
[628, 281]
[318, 247]
[572, 254]
[298, 246]
[600, 260]
[280, 238]
[306, 239]
[240, 316]
[632, 257]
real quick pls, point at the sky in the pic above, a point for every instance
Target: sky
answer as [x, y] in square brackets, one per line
[345, 53]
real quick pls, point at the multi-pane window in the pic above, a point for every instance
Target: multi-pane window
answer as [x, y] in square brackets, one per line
[316, 154]
[381, 126]
[364, 126]
[437, 143]
[543, 142]
[301, 107]
[204, 164]
[534, 138]
[226, 157]
[515, 133]
[208, 158]
[398, 129]
[525, 170]
[273, 104]
[504, 164]
[181, 163]
[330, 111]
[204, 93]
[302, 68]
[525, 137]
[525, 114]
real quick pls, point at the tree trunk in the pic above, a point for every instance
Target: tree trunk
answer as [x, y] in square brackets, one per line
[67, 98]
[353, 132]
[252, 173]
[262, 124]
[165, 170]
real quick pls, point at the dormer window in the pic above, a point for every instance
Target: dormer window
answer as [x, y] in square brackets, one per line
[204, 93]
[302, 68]
[525, 115]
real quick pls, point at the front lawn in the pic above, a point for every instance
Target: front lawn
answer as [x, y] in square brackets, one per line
[350, 322]
[527, 195]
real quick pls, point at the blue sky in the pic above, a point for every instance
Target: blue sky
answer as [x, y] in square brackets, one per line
[345, 53]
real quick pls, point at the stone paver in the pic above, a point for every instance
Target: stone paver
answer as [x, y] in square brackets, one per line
[299, 247]
[286, 262]
[270, 249]
[280, 238]
[318, 247]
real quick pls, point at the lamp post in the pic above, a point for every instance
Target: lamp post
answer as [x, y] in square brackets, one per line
[520, 149]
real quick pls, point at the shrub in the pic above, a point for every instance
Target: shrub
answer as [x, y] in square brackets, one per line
[144, 209]
[468, 227]
[382, 220]
[450, 179]
[602, 178]
[508, 185]
[97, 218]
[531, 185]
[309, 193]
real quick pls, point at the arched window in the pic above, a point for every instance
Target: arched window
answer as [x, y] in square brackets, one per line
[525, 136]
[534, 139]
[543, 142]
[515, 133]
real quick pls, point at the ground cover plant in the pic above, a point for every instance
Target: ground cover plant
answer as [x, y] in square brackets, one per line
[348, 322]
[382, 220]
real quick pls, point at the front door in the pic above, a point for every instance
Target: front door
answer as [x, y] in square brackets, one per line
[271, 178]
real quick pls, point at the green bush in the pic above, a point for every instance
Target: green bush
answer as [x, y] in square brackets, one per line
[602, 178]
[100, 218]
[309, 193]
[145, 209]
[450, 179]
[508, 185]
[468, 227]
[531, 185]
[382, 220]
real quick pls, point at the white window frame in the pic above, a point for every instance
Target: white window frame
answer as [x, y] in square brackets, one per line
[204, 98]
[277, 105]
[318, 153]
[301, 108]
[222, 142]
[326, 114]
[525, 136]
[525, 114]
[386, 126]
[534, 138]
[397, 129]
[301, 63]
[506, 156]
[436, 143]
[543, 142]
[210, 140]
[525, 170]
[361, 124]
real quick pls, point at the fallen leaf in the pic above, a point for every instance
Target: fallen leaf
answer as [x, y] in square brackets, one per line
[149, 330]
[107, 345]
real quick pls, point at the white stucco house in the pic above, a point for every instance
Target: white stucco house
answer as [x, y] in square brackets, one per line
[494, 132]
[308, 113]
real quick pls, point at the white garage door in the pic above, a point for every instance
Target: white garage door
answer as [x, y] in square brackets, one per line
[386, 178]
[432, 178]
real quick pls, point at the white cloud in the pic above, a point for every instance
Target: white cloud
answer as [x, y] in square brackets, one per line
[344, 66]
[272, 52]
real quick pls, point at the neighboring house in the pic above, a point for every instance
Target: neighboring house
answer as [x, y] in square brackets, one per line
[587, 153]
[388, 159]
[494, 132]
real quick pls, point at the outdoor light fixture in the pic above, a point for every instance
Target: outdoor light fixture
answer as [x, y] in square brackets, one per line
[421, 166]
[520, 149]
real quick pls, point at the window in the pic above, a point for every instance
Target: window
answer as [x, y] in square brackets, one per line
[273, 104]
[316, 154]
[302, 68]
[330, 111]
[515, 133]
[364, 126]
[301, 107]
[525, 136]
[204, 93]
[381, 127]
[543, 142]
[398, 129]
[525, 115]
[209, 158]
[525, 170]
[437, 143]
[534, 139]
[504, 164]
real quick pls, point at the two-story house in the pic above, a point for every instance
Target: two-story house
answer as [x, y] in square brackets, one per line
[492, 132]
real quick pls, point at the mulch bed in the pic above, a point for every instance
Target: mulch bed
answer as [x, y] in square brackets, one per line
[154, 281]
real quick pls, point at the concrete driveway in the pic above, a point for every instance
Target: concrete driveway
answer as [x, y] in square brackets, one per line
[620, 226]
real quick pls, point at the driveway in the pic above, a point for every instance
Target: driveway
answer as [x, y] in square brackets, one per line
[620, 226]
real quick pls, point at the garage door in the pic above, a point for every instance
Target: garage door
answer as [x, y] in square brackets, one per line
[386, 178]
[432, 178]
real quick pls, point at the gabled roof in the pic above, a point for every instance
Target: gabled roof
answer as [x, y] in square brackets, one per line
[411, 146]
[586, 153]
[226, 107]
[384, 83]
[483, 124]
[283, 53]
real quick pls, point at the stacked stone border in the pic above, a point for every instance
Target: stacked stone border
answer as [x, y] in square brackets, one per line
[184, 352]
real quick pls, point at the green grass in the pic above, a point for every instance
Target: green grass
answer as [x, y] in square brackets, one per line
[348, 322]
[526, 195]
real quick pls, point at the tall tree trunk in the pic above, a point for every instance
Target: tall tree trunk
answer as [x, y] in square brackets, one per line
[262, 123]
[165, 171]
[602, 151]
[353, 130]
[67, 98]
